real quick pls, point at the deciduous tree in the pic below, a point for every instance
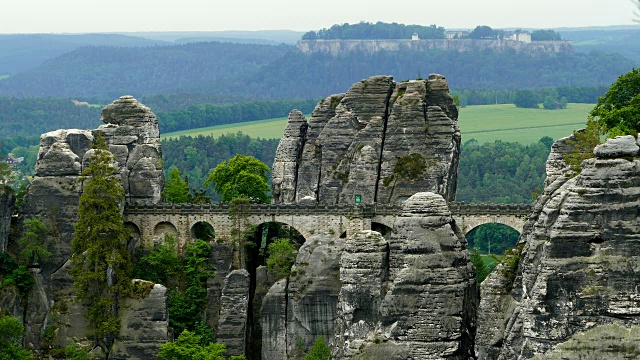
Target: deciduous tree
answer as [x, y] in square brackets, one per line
[241, 176]
[618, 111]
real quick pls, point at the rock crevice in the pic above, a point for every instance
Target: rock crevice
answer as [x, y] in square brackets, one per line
[354, 141]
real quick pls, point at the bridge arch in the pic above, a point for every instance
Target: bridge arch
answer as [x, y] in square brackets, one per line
[202, 230]
[469, 222]
[135, 235]
[164, 228]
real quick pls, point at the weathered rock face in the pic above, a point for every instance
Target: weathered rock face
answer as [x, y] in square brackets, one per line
[285, 164]
[412, 296]
[354, 141]
[232, 326]
[364, 274]
[131, 132]
[577, 278]
[145, 323]
[427, 309]
[7, 202]
[295, 314]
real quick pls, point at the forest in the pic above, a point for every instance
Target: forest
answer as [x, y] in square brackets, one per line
[378, 30]
[263, 72]
[35, 116]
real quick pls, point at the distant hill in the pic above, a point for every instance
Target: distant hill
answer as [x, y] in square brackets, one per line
[624, 41]
[22, 52]
[266, 71]
[108, 72]
[260, 37]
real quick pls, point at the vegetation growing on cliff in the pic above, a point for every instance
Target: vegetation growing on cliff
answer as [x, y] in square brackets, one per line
[618, 111]
[185, 278]
[11, 332]
[101, 265]
[190, 346]
[282, 256]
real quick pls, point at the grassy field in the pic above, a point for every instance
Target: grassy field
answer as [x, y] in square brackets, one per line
[487, 123]
[268, 128]
[484, 123]
[4, 76]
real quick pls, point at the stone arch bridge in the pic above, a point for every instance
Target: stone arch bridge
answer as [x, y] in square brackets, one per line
[150, 222]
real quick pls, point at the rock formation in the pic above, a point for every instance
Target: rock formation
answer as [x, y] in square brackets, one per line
[7, 203]
[381, 140]
[131, 132]
[294, 314]
[575, 288]
[411, 297]
[234, 305]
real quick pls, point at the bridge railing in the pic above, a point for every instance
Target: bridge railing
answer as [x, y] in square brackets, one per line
[363, 210]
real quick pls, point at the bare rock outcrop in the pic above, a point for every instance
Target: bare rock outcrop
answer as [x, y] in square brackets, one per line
[7, 203]
[576, 282]
[294, 314]
[411, 296]
[428, 311]
[285, 164]
[364, 141]
[145, 323]
[234, 309]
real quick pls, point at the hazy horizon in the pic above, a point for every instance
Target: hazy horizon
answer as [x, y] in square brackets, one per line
[118, 16]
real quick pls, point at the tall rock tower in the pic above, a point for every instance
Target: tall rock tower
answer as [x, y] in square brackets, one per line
[380, 142]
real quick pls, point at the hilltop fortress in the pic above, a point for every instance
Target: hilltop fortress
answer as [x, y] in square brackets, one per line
[341, 47]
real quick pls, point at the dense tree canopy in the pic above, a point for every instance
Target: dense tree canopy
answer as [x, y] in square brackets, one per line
[242, 176]
[501, 172]
[261, 72]
[545, 35]
[618, 111]
[379, 30]
[485, 32]
[526, 99]
[11, 331]
[195, 156]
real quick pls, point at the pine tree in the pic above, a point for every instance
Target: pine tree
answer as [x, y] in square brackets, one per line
[176, 189]
[101, 263]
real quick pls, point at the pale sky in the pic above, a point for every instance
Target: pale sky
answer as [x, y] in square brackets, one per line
[80, 16]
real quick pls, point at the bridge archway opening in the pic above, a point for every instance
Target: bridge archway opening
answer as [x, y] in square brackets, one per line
[163, 229]
[261, 280]
[383, 229]
[134, 237]
[202, 230]
[488, 242]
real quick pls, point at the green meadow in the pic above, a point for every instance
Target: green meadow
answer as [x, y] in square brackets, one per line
[487, 123]
[484, 123]
[4, 76]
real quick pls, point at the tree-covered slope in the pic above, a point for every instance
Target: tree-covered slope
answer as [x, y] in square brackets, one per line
[263, 71]
[25, 51]
[108, 72]
[320, 74]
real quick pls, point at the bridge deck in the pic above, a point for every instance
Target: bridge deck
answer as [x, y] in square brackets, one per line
[366, 210]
